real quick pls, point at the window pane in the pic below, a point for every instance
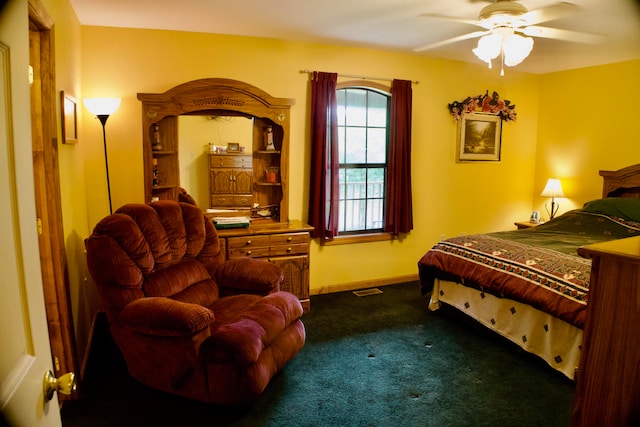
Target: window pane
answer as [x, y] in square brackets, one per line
[375, 183]
[356, 183]
[342, 183]
[377, 109]
[374, 214]
[356, 101]
[354, 215]
[340, 96]
[355, 151]
[376, 145]
[342, 140]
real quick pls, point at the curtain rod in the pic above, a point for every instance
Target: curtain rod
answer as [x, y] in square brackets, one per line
[352, 76]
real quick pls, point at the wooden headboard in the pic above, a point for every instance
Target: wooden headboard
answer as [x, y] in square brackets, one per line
[624, 182]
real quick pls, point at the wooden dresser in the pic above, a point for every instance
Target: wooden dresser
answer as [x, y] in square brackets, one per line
[230, 180]
[608, 380]
[285, 244]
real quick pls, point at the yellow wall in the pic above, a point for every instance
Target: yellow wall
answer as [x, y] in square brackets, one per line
[586, 124]
[449, 198]
[570, 124]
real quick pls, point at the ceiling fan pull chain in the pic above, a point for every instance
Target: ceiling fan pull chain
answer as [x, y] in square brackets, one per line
[502, 60]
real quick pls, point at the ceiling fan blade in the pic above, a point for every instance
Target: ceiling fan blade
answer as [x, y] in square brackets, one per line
[451, 18]
[549, 13]
[558, 34]
[451, 40]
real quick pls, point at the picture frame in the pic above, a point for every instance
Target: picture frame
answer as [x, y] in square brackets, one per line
[69, 118]
[479, 138]
[233, 147]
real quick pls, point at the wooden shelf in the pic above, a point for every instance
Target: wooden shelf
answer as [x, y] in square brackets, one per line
[220, 97]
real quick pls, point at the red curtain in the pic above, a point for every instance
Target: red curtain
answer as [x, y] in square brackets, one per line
[399, 208]
[324, 181]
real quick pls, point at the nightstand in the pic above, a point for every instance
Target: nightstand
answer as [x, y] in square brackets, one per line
[526, 224]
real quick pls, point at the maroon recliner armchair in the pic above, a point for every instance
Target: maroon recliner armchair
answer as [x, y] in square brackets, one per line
[187, 321]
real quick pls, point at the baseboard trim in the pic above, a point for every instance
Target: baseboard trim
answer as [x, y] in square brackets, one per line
[87, 350]
[354, 286]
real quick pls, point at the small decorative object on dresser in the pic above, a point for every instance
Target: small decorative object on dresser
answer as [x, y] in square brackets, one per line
[157, 145]
[268, 138]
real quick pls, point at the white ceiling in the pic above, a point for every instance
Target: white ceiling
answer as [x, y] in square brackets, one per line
[382, 24]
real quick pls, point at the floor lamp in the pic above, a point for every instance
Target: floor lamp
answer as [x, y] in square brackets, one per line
[102, 108]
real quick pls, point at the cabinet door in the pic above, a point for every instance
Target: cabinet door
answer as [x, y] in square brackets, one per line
[221, 181]
[243, 180]
[296, 274]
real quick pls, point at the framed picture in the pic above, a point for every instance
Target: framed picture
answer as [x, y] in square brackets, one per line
[479, 137]
[233, 147]
[69, 118]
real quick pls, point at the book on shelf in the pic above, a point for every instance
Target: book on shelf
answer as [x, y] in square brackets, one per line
[231, 221]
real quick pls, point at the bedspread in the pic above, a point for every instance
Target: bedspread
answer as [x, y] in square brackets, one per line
[537, 266]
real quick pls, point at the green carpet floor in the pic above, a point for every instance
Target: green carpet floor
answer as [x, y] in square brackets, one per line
[379, 360]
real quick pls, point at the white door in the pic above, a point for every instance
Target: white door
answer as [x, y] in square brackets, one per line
[25, 355]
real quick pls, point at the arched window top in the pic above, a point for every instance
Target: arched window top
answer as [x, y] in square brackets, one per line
[367, 84]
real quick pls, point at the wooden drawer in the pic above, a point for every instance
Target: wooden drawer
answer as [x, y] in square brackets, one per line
[292, 249]
[222, 200]
[232, 200]
[253, 252]
[243, 200]
[220, 161]
[290, 238]
[246, 242]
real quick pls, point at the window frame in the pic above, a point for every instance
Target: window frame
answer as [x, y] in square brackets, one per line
[345, 237]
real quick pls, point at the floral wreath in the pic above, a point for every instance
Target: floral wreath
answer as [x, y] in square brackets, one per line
[486, 104]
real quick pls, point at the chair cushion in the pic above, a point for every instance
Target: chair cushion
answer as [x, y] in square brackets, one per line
[247, 324]
[164, 317]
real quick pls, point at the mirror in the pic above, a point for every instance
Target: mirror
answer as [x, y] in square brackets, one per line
[196, 135]
[177, 160]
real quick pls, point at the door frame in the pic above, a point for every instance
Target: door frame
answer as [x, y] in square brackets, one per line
[48, 198]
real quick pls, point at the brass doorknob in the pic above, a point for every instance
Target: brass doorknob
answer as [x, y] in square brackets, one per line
[66, 384]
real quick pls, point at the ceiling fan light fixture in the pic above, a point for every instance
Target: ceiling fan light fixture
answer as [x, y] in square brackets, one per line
[489, 47]
[516, 48]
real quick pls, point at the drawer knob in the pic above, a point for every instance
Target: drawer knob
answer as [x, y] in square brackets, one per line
[289, 239]
[248, 242]
[248, 253]
[288, 249]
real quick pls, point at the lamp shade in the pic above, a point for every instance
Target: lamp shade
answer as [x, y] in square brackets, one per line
[516, 48]
[553, 188]
[102, 106]
[488, 47]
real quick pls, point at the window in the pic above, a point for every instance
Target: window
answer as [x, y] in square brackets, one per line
[363, 131]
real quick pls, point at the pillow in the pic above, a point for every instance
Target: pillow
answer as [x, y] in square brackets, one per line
[621, 207]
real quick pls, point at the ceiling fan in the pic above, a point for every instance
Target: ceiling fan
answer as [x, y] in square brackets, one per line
[508, 28]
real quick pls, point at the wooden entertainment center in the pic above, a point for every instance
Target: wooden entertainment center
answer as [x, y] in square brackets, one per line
[238, 181]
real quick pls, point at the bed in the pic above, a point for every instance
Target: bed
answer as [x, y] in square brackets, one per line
[530, 285]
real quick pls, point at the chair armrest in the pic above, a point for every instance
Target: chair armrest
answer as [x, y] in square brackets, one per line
[249, 275]
[165, 317]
